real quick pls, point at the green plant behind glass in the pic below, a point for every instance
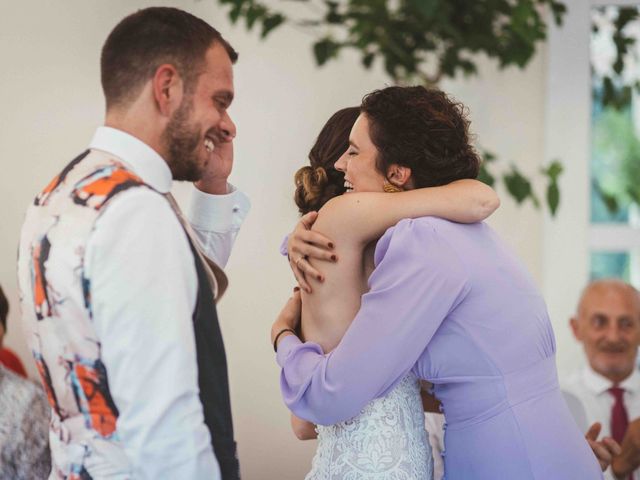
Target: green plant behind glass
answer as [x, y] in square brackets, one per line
[616, 159]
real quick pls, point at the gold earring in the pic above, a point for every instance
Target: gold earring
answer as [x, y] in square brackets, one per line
[390, 187]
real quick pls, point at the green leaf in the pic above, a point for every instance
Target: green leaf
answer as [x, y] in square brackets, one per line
[254, 13]
[333, 17]
[427, 8]
[553, 197]
[271, 23]
[519, 187]
[367, 60]
[324, 50]
[559, 10]
[234, 13]
[610, 200]
[488, 157]
[485, 176]
[554, 170]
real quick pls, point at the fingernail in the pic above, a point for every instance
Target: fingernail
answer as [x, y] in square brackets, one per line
[320, 278]
[295, 289]
[334, 258]
[330, 244]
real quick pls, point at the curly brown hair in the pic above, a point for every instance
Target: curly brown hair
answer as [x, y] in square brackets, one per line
[319, 182]
[423, 129]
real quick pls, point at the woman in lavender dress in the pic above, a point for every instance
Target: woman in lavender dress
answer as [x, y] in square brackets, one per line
[447, 302]
[387, 440]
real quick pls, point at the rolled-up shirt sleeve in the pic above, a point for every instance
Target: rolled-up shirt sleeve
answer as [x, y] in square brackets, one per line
[143, 287]
[216, 220]
[417, 282]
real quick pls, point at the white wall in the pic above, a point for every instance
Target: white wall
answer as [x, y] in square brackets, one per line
[51, 103]
[567, 133]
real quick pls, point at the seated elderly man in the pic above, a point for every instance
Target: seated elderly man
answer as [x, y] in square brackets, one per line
[607, 390]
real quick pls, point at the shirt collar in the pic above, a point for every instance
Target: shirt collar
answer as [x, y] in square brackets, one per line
[632, 382]
[599, 384]
[142, 159]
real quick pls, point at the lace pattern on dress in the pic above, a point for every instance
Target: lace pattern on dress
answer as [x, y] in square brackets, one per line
[387, 441]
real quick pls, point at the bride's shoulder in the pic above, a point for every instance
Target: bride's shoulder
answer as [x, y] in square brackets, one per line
[351, 204]
[344, 218]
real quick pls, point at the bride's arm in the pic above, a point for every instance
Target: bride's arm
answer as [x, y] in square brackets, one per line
[366, 216]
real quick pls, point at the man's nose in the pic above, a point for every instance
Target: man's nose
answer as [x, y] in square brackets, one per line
[613, 333]
[227, 128]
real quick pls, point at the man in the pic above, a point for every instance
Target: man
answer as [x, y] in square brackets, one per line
[7, 358]
[117, 299]
[607, 390]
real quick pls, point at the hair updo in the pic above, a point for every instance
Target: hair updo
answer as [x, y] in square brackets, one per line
[319, 182]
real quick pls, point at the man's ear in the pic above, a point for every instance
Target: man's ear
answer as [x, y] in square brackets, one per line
[399, 175]
[575, 328]
[168, 89]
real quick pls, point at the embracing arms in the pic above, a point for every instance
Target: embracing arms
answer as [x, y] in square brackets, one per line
[365, 216]
[417, 272]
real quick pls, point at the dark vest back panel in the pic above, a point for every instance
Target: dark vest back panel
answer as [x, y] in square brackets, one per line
[213, 379]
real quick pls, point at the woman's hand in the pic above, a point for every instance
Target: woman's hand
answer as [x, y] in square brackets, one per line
[604, 449]
[289, 317]
[303, 244]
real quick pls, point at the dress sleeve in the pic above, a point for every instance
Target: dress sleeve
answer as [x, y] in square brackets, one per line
[417, 282]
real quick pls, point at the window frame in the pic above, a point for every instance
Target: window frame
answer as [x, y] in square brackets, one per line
[570, 237]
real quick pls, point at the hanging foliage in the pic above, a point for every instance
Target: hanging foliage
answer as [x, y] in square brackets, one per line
[422, 41]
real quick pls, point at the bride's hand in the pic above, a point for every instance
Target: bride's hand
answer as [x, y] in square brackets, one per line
[289, 317]
[303, 244]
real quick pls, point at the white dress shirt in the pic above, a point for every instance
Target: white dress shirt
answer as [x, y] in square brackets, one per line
[590, 402]
[144, 286]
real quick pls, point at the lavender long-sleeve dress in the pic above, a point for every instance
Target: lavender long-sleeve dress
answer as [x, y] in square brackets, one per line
[452, 304]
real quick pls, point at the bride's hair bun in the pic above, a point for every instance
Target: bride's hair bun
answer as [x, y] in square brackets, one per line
[320, 182]
[311, 188]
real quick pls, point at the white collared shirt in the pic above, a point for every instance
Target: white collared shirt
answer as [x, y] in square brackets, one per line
[589, 401]
[144, 287]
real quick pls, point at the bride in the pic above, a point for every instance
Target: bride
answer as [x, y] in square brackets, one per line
[387, 440]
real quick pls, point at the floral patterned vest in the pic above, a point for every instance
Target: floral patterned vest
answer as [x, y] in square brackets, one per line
[56, 306]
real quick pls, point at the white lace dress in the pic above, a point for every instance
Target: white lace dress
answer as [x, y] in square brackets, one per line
[387, 441]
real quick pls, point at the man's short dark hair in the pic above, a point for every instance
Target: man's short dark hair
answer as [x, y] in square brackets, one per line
[423, 129]
[4, 309]
[143, 41]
